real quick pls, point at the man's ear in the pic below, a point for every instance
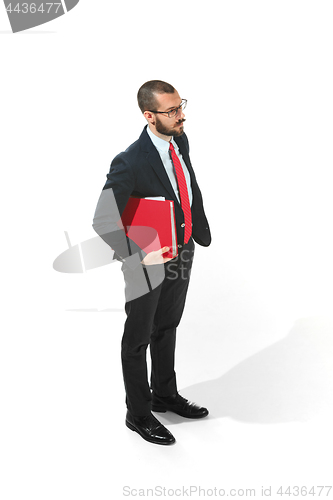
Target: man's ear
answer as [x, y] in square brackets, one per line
[149, 117]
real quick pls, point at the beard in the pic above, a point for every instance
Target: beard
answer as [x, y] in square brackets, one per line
[170, 131]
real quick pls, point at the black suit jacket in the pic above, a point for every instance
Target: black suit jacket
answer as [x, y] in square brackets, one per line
[139, 171]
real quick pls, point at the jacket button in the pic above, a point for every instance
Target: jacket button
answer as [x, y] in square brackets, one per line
[182, 225]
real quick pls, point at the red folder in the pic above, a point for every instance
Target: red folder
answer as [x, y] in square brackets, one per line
[151, 224]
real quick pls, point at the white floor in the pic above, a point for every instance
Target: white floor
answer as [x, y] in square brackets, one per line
[268, 386]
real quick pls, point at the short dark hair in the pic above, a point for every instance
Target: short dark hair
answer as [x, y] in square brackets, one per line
[148, 91]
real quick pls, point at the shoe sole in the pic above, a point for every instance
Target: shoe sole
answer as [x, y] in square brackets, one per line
[134, 429]
[163, 409]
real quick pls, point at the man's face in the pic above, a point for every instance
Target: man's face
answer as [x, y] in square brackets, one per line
[169, 126]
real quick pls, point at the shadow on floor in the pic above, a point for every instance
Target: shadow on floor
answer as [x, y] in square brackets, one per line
[291, 380]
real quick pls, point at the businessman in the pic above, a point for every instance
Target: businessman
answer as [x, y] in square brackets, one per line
[156, 165]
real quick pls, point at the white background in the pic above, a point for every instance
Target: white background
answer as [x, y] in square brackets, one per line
[255, 343]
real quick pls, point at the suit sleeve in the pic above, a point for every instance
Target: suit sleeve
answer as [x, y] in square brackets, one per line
[118, 188]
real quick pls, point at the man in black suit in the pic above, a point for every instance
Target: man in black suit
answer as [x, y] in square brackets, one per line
[156, 165]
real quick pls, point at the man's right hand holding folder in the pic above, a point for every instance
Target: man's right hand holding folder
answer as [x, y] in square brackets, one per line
[156, 257]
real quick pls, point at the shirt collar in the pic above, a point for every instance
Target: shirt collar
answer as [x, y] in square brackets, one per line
[160, 144]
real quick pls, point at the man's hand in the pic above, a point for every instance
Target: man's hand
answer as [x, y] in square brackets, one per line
[156, 257]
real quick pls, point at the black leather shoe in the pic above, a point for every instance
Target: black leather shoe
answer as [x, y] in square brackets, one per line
[149, 429]
[179, 405]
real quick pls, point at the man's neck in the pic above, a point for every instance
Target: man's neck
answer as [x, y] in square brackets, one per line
[166, 138]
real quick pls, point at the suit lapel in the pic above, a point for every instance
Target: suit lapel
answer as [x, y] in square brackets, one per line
[185, 155]
[155, 161]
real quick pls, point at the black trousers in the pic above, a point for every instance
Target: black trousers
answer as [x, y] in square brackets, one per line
[152, 319]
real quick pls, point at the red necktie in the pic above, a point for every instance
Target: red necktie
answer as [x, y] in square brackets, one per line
[184, 199]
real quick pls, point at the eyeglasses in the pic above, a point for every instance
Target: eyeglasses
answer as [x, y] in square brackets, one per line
[173, 112]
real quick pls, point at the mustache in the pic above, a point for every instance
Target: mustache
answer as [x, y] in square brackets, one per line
[181, 121]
